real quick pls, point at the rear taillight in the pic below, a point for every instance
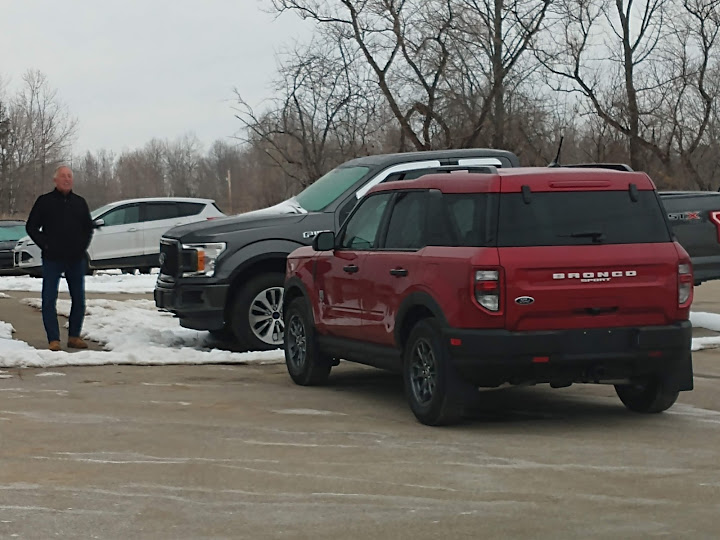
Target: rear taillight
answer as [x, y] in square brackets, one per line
[685, 283]
[715, 218]
[487, 289]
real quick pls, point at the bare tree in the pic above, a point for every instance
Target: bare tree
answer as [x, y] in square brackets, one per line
[430, 58]
[608, 52]
[325, 112]
[43, 130]
[697, 84]
[490, 60]
[7, 194]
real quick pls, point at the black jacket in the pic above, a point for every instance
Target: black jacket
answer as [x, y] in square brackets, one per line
[66, 225]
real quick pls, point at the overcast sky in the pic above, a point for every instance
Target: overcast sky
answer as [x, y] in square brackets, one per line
[131, 70]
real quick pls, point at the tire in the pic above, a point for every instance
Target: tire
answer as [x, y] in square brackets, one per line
[434, 391]
[305, 363]
[223, 334]
[128, 271]
[646, 397]
[144, 269]
[257, 314]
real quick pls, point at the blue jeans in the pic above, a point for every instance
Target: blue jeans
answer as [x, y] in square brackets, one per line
[75, 277]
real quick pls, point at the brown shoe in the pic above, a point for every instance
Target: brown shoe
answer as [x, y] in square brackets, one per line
[76, 343]
[54, 346]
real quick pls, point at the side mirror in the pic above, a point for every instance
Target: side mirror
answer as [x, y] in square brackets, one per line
[324, 241]
[98, 223]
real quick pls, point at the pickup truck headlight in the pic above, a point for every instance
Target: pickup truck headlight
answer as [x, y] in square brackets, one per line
[207, 255]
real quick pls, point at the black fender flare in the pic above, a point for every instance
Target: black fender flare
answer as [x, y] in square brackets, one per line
[296, 284]
[412, 301]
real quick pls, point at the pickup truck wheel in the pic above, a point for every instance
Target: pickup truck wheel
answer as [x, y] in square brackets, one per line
[433, 389]
[646, 397]
[257, 314]
[305, 364]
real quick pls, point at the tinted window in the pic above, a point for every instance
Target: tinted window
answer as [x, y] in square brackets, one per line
[406, 229]
[189, 208]
[156, 211]
[123, 215]
[580, 218]
[362, 227]
[329, 187]
[460, 219]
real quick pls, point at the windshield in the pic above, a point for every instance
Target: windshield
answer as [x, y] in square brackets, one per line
[95, 213]
[329, 187]
[12, 233]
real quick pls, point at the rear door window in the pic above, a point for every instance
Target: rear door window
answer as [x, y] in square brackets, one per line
[157, 211]
[580, 218]
[406, 229]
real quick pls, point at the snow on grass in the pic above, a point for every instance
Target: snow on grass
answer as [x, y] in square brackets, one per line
[101, 282]
[134, 332]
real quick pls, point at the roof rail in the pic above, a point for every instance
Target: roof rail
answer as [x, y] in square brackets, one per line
[614, 166]
[478, 169]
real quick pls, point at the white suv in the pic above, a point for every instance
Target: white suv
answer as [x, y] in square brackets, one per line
[127, 234]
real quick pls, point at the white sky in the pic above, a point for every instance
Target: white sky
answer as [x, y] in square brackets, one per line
[135, 332]
[131, 70]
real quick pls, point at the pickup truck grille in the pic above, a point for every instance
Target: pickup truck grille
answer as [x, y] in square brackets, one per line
[169, 257]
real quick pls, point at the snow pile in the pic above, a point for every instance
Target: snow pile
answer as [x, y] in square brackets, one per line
[134, 332]
[709, 321]
[102, 282]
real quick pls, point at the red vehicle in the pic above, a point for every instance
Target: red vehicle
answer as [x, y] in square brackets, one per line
[480, 278]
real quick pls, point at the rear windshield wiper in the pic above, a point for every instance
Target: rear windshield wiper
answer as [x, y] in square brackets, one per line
[597, 236]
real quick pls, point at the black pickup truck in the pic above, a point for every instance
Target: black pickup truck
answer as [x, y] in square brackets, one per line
[695, 219]
[227, 275]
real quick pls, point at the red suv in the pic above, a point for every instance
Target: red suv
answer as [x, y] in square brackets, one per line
[477, 279]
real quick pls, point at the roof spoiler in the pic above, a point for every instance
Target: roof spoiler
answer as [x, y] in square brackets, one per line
[614, 166]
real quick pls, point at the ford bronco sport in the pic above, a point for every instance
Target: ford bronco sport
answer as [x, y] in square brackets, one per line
[227, 276]
[477, 279]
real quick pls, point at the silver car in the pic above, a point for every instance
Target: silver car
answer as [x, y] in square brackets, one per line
[127, 234]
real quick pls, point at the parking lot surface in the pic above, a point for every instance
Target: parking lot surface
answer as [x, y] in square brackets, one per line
[238, 451]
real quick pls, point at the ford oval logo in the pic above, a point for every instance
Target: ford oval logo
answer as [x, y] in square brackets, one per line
[524, 300]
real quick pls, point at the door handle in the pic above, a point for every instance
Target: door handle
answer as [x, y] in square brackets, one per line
[351, 269]
[398, 272]
[132, 230]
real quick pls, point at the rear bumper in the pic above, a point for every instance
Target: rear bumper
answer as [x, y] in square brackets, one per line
[200, 306]
[706, 268]
[560, 357]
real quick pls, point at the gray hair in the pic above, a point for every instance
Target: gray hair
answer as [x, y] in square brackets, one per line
[57, 169]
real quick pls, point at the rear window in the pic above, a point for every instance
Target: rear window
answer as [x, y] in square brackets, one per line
[189, 209]
[580, 218]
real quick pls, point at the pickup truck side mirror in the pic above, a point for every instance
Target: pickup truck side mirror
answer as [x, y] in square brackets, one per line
[98, 223]
[324, 241]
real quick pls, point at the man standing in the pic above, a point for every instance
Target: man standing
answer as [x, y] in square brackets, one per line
[61, 226]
